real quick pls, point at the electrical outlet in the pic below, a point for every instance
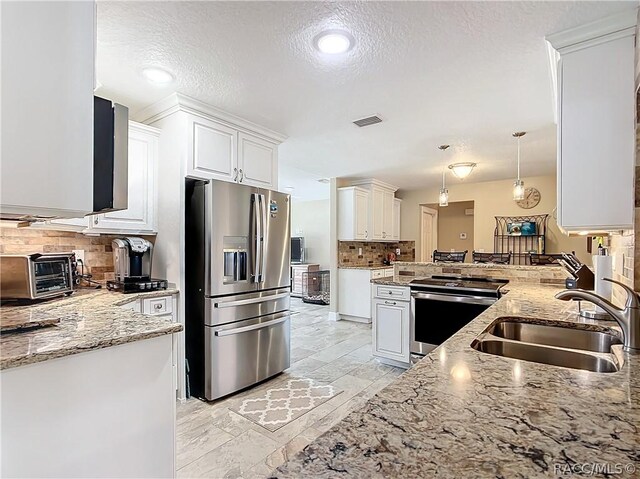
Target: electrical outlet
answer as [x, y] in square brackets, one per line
[398, 251]
[359, 251]
[79, 254]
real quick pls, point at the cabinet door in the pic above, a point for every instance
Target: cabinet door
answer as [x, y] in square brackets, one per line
[257, 161]
[361, 217]
[387, 215]
[597, 137]
[396, 219]
[140, 215]
[213, 154]
[376, 213]
[47, 120]
[391, 329]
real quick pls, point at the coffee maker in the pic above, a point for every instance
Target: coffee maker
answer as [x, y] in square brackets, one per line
[132, 265]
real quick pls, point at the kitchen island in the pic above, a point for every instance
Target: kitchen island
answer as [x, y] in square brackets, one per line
[462, 413]
[92, 394]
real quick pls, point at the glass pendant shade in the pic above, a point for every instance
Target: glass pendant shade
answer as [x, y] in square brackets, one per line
[462, 170]
[518, 190]
[443, 198]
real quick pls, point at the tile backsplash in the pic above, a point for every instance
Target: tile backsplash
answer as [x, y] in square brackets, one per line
[373, 253]
[98, 255]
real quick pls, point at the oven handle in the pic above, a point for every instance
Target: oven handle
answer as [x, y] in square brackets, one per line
[455, 299]
[229, 332]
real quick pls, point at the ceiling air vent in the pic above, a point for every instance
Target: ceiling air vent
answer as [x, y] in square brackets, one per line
[370, 120]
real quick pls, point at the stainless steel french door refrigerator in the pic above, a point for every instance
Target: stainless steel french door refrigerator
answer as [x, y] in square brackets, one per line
[237, 285]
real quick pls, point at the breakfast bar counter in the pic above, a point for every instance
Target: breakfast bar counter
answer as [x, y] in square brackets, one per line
[463, 413]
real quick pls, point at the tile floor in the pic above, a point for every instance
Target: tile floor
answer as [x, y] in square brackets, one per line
[215, 442]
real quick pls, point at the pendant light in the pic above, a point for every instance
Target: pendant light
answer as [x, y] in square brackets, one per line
[443, 198]
[518, 185]
[462, 170]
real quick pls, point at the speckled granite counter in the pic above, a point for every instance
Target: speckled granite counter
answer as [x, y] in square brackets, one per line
[462, 413]
[365, 266]
[90, 320]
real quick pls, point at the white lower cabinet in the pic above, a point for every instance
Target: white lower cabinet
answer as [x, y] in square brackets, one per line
[354, 292]
[164, 306]
[107, 412]
[391, 325]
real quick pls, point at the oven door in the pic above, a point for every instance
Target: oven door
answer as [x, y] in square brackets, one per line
[436, 317]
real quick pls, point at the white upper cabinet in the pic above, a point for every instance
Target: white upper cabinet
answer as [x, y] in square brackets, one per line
[213, 153]
[377, 199]
[47, 108]
[377, 213]
[257, 161]
[395, 229]
[140, 216]
[215, 144]
[596, 125]
[353, 214]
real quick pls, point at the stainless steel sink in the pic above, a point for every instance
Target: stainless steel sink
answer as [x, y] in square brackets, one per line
[545, 355]
[555, 343]
[555, 335]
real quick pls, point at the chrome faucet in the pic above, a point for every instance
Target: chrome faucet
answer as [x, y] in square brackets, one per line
[628, 318]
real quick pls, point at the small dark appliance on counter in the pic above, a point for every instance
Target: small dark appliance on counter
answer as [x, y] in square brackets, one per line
[132, 263]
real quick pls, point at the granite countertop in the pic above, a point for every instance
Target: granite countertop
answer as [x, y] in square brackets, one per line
[366, 266]
[89, 319]
[462, 413]
[512, 267]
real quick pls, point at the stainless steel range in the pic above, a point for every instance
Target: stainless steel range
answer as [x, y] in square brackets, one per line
[442, 305]
[237, 286]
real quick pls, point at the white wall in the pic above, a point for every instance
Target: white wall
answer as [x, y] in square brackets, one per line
[311, 220]
[492, 198]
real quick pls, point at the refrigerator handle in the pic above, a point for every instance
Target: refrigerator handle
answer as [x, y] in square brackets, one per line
[257, 206]
[264, 235]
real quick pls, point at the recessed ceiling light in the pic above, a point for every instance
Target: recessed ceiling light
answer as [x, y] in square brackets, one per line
[157, 76]
[333, 42]
[324, 180]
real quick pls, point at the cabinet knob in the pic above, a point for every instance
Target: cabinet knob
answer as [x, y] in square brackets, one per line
[393, 303]
[235, 174]
[241, 175]
[157, 306]
[95, 220]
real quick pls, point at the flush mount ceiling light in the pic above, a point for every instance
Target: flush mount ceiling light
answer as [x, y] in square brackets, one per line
[443, 197]
[333, 42]
[518, 185]
[462, 170]
[157, 76]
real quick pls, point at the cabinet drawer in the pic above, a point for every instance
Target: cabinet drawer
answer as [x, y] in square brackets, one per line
[395, 292]
[381, 273]
[161, 305]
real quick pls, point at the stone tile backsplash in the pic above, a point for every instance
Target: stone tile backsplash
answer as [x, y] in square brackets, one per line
[373, 253]
[98, 255]
[520, 274]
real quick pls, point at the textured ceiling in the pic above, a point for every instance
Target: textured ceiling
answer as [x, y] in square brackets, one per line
[464, 73]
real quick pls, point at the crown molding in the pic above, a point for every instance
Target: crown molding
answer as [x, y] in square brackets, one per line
[603, 30]
[178, 102]
[374, 182]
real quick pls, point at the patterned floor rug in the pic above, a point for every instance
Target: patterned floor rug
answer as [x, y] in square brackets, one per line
[279, 406]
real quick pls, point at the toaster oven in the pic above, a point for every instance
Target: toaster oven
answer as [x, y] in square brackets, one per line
[35, 276]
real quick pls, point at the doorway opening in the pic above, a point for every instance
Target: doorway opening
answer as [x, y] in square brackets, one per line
[447, 228]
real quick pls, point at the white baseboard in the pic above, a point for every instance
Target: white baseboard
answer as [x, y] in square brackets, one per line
[355, 319]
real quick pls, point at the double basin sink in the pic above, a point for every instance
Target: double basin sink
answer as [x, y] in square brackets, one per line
[557, 343]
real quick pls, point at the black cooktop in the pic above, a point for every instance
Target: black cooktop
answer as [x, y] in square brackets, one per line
[461, 284]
